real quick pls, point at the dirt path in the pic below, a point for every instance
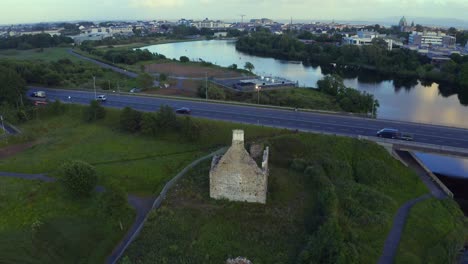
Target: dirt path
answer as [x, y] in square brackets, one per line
[393, 239]
[12, 150]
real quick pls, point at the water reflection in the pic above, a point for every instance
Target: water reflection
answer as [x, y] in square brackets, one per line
[402, 99]
[449, 166]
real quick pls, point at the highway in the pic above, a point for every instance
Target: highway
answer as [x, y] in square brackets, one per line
[304, 121]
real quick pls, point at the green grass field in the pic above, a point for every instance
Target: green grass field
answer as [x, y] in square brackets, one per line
[40, 224]
[433, 237]
[47, 55]
[354, 184]
[140, 164]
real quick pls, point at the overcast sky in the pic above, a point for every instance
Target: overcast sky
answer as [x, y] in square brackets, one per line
[25, 11]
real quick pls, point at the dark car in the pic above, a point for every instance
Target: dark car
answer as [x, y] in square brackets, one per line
[183, 110]
[389, 133]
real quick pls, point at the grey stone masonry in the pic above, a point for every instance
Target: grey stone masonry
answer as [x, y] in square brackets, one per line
[235, 176]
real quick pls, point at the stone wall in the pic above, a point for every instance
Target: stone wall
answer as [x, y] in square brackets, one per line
[236, 176]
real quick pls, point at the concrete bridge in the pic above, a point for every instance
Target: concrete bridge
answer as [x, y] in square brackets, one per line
[412, 146]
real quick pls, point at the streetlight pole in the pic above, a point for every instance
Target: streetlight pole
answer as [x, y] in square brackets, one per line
[258, 93]
[206, 85]
[94, 85]
[3, 126]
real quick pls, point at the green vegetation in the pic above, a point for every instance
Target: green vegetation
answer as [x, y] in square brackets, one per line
[69, 74]
[349, 99]
[136, 162]
[46, 55]
[34, 41]
[433, 237]
[330, 200]
[78, 178]
[39, 224]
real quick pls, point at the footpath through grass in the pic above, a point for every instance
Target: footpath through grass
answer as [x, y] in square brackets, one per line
[433, 233]
[330, 200]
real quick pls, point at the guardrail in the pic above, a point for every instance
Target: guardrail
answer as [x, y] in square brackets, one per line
[415, 146]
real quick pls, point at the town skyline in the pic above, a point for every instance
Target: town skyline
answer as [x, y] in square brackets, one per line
[30, 11]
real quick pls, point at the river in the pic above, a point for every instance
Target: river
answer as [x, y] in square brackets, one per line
[413, 102]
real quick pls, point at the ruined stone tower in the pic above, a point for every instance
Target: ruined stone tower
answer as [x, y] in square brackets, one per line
[236, 176]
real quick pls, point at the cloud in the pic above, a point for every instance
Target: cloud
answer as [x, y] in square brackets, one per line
[157, 3]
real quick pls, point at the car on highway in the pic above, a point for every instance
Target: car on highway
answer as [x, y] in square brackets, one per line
[101, 98]
[183, 110]
[39, 94]
[135, 90]
[389, 133]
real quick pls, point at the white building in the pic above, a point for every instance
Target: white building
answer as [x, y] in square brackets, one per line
[431, 39]
[365, 37]
[210, 24]
[122, 30]
[220, 34]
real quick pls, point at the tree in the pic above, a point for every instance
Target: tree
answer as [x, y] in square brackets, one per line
[94, 111]
[190, 129]
[214, 92]
[184, 59]
[12, 87]
[232, 66]
[145, 80]
[331, 84]
[130, 120]
[79, 178]
[149, 124]
[249, 66]
[114, 200]
[162, 77]
[166, 118]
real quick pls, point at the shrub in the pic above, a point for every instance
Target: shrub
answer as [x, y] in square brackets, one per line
[166, 118]
[190, 129]
[130, 120]
[162, 77]
[94, 112]
[114, 200]
[79, 178]
[184, 59]
[149, 124]
[298, 165]
[56, 108]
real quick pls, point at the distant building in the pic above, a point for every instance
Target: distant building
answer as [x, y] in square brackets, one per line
[403, 25]
[431, 39]
[211, 24]
[365, 37]
[262, 21]
[220, 34]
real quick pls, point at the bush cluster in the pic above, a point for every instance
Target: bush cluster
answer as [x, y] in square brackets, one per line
[160, 122]
[79, 178]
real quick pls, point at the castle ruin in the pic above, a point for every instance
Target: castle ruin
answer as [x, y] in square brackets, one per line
[235, 176]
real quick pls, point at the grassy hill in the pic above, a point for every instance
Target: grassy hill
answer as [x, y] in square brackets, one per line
[330, 200]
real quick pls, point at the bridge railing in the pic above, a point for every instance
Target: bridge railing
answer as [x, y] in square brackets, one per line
[413, 145]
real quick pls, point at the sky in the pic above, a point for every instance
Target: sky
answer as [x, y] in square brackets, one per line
[29, 11]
